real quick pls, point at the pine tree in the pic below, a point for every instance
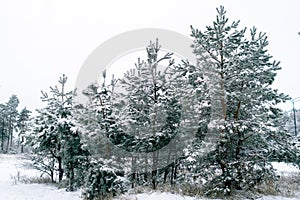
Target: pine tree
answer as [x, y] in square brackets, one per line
[56, 135]
[244, 110]
[11, 115]
[3, 128]
[104, 174]
[90, 119]
[139, 113]
[23, 126]
[43, 140]
[145, 113]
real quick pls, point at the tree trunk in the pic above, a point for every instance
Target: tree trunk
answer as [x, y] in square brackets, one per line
[172, 174]
[22, 146]
[11, 139]
[175, 171]
[154, 173]
[2, 136]
[8, 135]
[133, 170]
[154, 169]
[166, 172]
[2, 141]
[71, 177]
[60, 169]
[7, 143]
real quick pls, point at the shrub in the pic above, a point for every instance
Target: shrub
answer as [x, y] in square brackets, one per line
[103, 181]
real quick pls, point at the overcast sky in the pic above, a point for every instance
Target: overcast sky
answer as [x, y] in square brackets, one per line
[41, 40]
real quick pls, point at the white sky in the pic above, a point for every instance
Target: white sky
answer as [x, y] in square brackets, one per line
[40, 40]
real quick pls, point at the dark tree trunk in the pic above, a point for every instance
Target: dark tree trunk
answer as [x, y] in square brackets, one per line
[175, 171]
[133, 180]
[2, 141]
[8, 136]
[71, 177]
[166, 172]
[60, 169]
[22, 146]
[11, 139]
[172, 174]
[52, 176]
[154, 173]
[7, 143]
[154, 169]
[133, 169]
[2, 136]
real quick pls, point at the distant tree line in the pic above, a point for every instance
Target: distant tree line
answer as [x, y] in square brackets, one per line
[13, 125]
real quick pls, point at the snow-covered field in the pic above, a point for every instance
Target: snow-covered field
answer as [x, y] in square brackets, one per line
[12, 167]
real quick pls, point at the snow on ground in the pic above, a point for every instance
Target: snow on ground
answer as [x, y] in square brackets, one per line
[169, 196]
[285, 169]
[278, 198]
[11, 189]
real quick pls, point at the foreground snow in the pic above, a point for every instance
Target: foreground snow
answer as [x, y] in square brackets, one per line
[285, 169]
[12, 167]
[168, 196]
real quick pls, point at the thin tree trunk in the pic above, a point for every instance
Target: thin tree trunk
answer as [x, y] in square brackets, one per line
[167, 170]
[2, 141]
[52, 170]
[11, 139]
[223, 98]
[175, 171]
[60, 169]
[172, 174]
[7, 143]
[2, 136]
[146, 168]
[22, 146]
[8, 135]
[52, 176]
[133, 170]
[154, 169]
[71, 177]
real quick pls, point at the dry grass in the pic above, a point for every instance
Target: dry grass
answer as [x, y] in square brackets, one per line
[40, 180]
[286, 186]
[18, 178]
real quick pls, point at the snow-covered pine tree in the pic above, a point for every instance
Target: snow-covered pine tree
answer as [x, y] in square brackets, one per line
[90, 118]
[242, 73]
[193, 93]
[43, 143]
[56, 135]
[104, 176]
[145, 114]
